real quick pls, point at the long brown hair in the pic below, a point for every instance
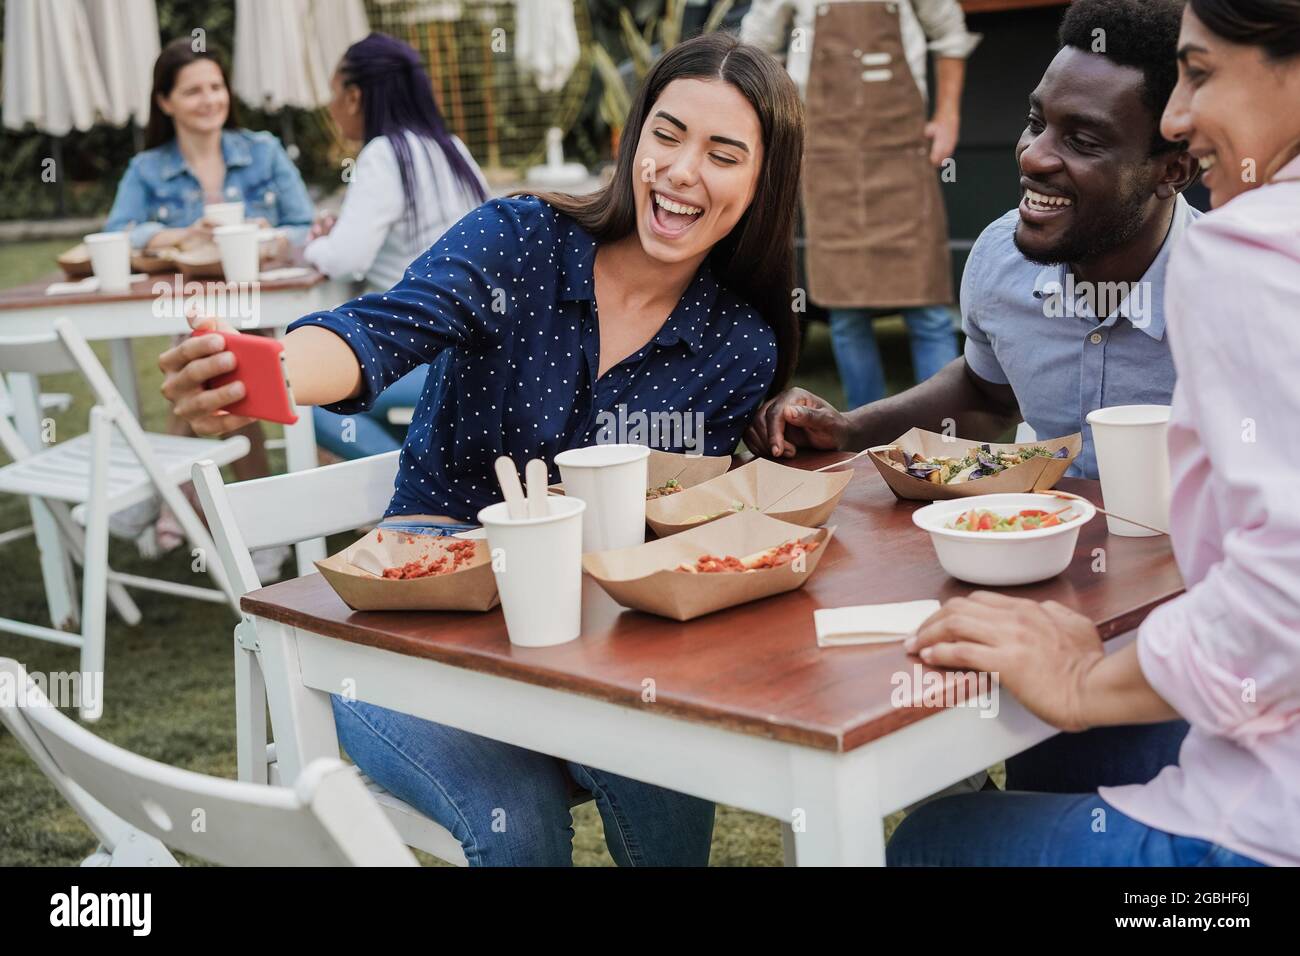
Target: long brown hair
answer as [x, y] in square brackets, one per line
[756, 259]
[174, 57]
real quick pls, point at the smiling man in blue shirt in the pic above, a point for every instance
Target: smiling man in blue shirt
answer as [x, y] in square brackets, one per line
[1062, 298]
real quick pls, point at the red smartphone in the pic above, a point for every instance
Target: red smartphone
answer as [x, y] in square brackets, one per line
[259, 364]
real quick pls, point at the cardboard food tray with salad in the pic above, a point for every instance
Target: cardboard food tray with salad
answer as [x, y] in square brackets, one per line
[779, 491]
[925, 466]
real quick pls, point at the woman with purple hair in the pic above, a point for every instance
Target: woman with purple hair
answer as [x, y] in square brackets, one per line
[412, 180]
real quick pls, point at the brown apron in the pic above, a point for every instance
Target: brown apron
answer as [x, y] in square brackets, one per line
[874, 222]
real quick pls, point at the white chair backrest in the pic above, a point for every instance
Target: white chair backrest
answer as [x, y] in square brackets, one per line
[35, 355]
[287, 509]
[64, 351]
[327, 819]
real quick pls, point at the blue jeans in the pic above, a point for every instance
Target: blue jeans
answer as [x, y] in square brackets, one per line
[1042, 829]
[509, 806]
[1101, 757]
[1064, 823]
[931, 334]
[368, 433]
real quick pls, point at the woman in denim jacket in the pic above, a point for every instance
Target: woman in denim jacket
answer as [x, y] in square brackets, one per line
[197, 154]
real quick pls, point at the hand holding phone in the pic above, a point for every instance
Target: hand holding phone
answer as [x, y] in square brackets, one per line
[259, 365]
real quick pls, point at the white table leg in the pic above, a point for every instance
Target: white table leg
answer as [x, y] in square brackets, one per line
[122, 364]
[56, 565]
[836, 819]
[302, 719]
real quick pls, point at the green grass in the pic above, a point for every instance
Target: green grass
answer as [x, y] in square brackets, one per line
[169, 682]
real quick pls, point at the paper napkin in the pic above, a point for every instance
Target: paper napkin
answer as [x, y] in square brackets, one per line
[870, 623]
[88, 284]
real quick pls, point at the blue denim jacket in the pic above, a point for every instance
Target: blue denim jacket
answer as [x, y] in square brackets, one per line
[158, 191]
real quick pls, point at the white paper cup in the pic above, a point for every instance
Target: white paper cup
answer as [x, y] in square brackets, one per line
[538, 567]
[612, 480]
[224, 213]
[1133, 463]
[238, 245]
[110, 259]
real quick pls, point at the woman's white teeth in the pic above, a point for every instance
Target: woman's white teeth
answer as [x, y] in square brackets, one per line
[1038, 199]
[1209, 162]
[676, 207]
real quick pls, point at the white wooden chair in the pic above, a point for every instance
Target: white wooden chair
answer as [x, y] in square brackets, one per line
[281, 510]
[137, 808]
[83, 480]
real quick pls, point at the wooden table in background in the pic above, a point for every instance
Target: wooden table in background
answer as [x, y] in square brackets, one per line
[740, 707]
[141, 312]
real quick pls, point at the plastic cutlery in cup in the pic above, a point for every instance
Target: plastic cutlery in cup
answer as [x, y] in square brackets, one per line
[508, 476]
[535, 477]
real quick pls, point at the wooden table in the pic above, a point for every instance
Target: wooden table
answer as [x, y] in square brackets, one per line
[153, 306]
[740, 707]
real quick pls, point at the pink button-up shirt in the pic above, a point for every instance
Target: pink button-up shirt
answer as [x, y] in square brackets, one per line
[1226, 655]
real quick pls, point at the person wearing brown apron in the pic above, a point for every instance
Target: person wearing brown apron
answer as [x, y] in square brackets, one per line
[876, 231]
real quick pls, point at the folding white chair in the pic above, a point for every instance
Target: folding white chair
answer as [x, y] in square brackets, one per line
[83, 480]
[282, 510]
[137, 808]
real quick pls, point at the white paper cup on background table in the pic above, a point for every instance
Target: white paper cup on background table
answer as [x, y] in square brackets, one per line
[538, 567]
[612, 480]
[110, 259]
[239, 251]
[1130, 442]
[224, 213]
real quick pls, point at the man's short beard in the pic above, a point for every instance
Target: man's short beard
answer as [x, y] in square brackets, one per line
[1090, 240]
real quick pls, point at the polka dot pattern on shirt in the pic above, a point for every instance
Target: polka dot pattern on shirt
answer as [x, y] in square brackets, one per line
[509, 292]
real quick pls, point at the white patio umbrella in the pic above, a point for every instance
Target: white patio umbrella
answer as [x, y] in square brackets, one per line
[336, 25]
[51, 72]
[271, 70]
[546, 42]
[125, 34]
[285, 51]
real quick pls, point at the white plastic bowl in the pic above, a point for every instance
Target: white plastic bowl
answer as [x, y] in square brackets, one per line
[1004, 558]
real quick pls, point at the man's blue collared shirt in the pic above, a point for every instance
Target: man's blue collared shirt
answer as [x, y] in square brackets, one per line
[1035, 328]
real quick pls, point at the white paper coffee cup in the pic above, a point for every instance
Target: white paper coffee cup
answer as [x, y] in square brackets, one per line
[612, 480]
[538, 567]
[224, 213]
[239, 251]
[1133, 463]
[110, 259]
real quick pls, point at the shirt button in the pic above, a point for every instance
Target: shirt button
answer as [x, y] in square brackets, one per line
[1095, 338]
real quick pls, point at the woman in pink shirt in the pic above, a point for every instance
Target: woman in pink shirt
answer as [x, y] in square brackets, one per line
[1225, 656]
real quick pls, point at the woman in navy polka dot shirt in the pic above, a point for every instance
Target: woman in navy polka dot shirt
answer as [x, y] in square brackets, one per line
[670, 290]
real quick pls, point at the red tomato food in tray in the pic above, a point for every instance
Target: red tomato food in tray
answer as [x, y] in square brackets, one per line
[773, 557]
[454, 556]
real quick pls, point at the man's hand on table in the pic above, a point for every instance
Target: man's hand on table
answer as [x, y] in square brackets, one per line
[796, 419]
[1042, 652]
